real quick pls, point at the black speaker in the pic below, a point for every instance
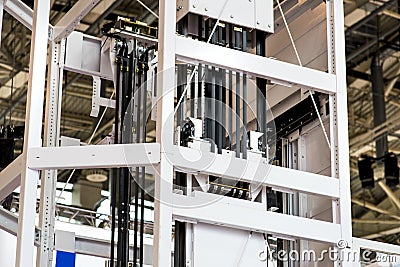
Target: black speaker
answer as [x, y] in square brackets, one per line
[6, 152]
[391, 169]
[366, 173]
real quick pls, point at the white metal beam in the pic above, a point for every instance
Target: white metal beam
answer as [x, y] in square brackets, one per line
[340, 162]
[71, 20]
[51, 139]
[100, 156]
[189, 50]
[20, 11]
[165, 133]
[258, 172]
[33, 131]
[10, 177]
[222, 211]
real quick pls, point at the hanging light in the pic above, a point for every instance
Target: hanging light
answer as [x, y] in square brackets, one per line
[391, 169]
[365, 172]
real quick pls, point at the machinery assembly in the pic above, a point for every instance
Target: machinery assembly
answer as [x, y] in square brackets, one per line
[218, 136]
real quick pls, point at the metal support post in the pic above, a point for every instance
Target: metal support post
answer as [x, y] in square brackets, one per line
[51, 137]
[165, 129]
[33, 129]
[336, 55]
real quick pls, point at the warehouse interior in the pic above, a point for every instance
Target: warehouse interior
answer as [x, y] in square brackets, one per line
[286, 122]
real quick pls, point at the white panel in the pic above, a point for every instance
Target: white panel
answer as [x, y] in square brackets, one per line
[256, 14]
[83, 55]
[264, 15]
[20, 11]
[91, 51]
[310, 39]
[65, 241]
[217, 246]
[8, 245]
[73, 53]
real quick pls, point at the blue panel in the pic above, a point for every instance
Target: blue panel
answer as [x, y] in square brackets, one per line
[65, 259]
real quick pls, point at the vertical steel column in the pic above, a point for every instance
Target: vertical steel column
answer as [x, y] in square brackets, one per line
[51, 137]
[244, 100]
[230, 103]
[378, 99]
[219, 112]
[2, 2]
[337, 61]
[165, 133]
[199, 91]
[33, 130]
[237, 115]
[143, 181]
[212, 123]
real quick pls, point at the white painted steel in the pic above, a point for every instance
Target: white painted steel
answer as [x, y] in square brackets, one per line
[258, 172]
[100, 156]
[10, 177]
[190, 50]
[71, 20]
[227, 212]
[33, 130]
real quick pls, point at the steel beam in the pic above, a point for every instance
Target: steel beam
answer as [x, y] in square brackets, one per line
[10, 177]
[33, 131]
[51, 139]
[20, 11]
[207, 208]
[258, 172]
[71, 20]
[165, 133]
[189, 50]
[100, 156]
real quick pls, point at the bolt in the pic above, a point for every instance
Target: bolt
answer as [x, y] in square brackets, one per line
[258, 23]
[206, 9]
[232, 16]
[269, 25]
[194, 6]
